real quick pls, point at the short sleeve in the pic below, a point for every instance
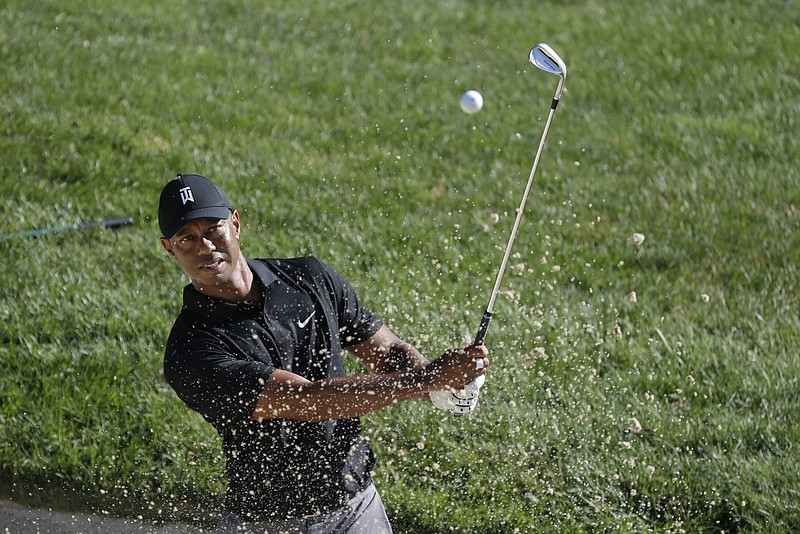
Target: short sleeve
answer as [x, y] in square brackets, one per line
[357, 323]
[204, 374]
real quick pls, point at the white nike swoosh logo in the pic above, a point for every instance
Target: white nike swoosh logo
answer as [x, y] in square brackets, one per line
[302, 324]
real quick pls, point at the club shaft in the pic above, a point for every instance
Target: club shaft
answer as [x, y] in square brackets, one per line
[480, 339]
[108, 223]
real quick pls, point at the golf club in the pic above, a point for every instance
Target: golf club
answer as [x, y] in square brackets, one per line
[108, 223]
[543, 57]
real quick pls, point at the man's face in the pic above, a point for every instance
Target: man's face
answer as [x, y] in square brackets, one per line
[207, 250]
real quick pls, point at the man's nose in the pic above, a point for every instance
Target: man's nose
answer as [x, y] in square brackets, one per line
[205, 246]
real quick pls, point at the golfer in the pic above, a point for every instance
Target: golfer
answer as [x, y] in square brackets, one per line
[257, 350]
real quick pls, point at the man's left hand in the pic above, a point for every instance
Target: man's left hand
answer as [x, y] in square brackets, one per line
[459, 402]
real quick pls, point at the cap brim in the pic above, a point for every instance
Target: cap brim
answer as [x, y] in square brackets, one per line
[215, 212]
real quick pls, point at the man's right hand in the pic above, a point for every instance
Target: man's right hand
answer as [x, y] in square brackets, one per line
[456, 368]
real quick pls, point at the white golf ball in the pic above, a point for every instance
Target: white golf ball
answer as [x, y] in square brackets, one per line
[471, 102]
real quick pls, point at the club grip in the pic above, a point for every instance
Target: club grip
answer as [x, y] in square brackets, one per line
[108, 223]
[480, 339]
[116, 223]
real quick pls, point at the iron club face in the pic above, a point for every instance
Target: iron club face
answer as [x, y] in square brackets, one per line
[545, 58]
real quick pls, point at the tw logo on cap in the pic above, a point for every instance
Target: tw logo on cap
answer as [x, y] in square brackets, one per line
[186, 195]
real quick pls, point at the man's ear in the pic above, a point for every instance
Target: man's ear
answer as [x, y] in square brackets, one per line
[167, 246]
[235, 222]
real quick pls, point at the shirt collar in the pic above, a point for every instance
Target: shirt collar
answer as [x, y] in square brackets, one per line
[217, 310]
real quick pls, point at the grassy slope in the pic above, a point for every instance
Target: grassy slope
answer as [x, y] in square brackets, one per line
[336, 130]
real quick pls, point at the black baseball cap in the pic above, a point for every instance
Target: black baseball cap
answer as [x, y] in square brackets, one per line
[189, 197]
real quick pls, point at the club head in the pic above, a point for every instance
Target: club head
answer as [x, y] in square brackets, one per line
[545, 58]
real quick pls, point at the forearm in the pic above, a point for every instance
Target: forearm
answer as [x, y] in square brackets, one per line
[400, 373]
[385, 353]
[343, 397]
[405, 356]
[408, 357]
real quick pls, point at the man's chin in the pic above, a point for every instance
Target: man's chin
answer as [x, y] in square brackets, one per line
[211, 278]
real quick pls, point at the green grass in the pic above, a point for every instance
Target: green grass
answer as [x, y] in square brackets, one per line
[335, 128]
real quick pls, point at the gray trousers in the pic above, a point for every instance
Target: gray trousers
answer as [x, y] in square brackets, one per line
[363, 514]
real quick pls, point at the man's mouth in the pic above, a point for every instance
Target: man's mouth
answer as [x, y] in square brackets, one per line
[212, 265]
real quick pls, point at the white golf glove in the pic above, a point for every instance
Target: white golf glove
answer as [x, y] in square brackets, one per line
[459, 402]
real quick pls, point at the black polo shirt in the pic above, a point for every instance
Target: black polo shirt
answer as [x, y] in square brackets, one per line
[218, 358]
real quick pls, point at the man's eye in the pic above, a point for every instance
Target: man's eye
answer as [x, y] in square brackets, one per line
[185, 240]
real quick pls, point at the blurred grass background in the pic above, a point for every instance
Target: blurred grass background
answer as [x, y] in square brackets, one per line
[649, 388]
